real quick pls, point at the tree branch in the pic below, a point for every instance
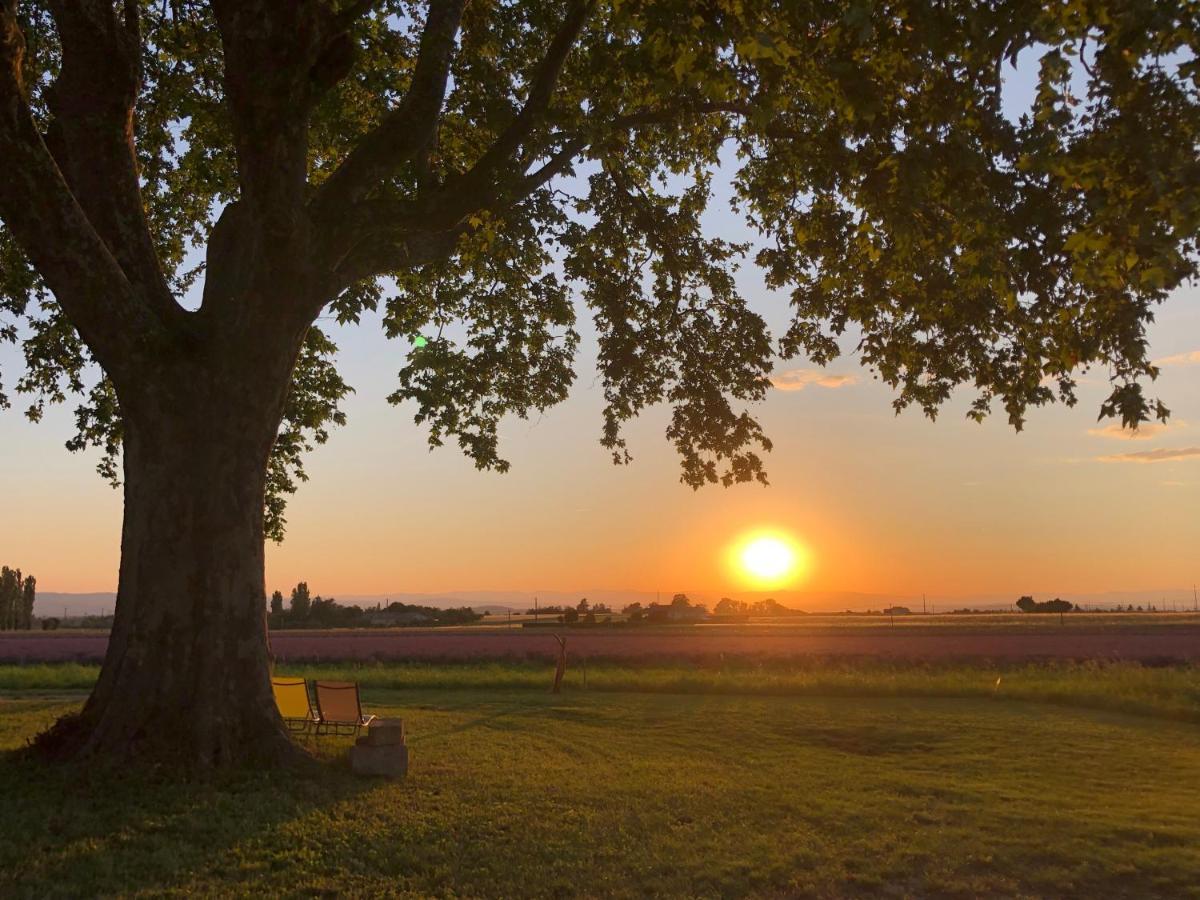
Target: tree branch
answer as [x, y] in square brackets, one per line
[457, 201]
[480, 180]
[91, 136]
[381, 235]
[54, 231]
[270, 52]
[279, 58]
[355, 11]
[392, 250]
[406, 129]
[555, 166]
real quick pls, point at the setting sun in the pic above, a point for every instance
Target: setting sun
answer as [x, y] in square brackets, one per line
[768, 559]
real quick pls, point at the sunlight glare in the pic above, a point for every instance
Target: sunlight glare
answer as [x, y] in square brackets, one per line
[768, 559]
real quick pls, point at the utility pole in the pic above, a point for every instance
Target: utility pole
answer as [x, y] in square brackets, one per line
[924, 611]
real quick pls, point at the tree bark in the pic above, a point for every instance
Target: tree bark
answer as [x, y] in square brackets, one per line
[186, 677]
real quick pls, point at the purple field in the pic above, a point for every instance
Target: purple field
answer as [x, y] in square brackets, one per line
[1175, 643]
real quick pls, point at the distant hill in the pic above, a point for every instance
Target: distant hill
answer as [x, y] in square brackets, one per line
[51, 603]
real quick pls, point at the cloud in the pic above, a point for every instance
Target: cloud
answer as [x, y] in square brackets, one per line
[1191, 358]
[799, 379]
[1163, 454]
[1144, 432]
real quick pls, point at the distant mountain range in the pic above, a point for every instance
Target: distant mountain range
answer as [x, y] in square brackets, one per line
[50, 603]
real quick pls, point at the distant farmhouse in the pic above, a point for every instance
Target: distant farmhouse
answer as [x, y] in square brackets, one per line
[394, 618]
[686, 613]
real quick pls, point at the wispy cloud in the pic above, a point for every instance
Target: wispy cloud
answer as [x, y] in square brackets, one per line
[1144, 432]
[1163, 454]
[1191, 358]
[799, 379]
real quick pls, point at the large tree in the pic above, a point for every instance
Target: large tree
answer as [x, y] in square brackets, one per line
[475, 171]
[10, 597]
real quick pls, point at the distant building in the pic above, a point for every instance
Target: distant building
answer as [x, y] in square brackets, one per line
[897, 611]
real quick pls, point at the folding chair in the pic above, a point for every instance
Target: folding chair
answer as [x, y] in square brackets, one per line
[291, 696]
[339, 707]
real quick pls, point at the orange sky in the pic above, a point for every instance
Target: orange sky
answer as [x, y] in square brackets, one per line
[885, 504]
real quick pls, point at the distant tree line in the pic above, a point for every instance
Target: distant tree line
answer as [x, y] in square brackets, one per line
[580, 610]
[17, 594]
[680, 609]
[306, 611]
[1029, 605]
[767, 607]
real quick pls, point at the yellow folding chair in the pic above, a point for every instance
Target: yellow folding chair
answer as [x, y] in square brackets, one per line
[291, 696]
[339, 707]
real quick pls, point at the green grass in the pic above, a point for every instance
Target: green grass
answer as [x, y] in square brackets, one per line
[797, 777]
[517, 792]
[1165, 691]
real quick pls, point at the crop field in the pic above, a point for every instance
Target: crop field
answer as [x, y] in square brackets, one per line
[780, 777]
[1157, 637]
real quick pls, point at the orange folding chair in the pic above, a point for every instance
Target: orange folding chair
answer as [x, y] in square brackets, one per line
[339, 709]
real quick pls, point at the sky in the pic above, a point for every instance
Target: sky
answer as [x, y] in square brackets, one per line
[880, 503]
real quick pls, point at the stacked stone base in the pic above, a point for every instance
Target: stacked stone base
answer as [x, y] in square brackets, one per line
[381, 751]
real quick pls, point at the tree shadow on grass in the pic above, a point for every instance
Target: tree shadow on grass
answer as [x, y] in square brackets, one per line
[75, 830]
[502, 715]
[498, 717]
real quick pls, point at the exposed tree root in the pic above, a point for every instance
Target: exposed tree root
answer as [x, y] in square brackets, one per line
[75, 738]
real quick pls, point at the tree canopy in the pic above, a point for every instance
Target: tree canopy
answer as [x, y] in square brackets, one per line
[472, 170]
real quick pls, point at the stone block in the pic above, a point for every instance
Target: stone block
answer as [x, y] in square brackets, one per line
[385, 733]
[389, 761]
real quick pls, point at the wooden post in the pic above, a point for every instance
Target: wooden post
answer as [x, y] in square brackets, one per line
[561, 668]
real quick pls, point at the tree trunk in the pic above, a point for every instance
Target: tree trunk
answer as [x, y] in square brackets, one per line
[186, 678]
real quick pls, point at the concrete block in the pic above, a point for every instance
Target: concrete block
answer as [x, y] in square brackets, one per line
[385, 733]
[391, 761]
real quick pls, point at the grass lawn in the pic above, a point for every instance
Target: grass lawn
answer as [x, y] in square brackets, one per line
[620, 792]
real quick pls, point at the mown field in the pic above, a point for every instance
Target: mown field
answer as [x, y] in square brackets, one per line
[805, 779]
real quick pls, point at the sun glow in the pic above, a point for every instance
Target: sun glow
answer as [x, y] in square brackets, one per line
[768, 559]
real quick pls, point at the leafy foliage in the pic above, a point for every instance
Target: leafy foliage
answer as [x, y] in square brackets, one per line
[570, 157]
[17, 595]
[311, 408]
